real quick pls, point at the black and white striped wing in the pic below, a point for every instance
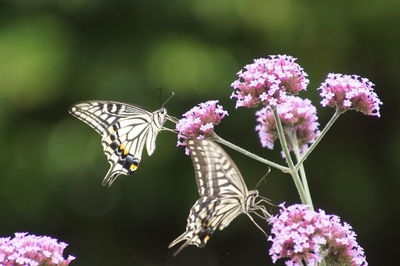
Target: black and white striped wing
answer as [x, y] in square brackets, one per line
[222, 193]
[206, 215]
[125, 130]
[216, 173]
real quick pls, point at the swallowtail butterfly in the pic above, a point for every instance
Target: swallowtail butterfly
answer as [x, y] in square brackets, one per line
[223, 195]
[125, 130]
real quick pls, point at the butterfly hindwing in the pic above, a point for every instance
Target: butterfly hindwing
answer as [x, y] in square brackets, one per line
[125, 130]
[206, 216]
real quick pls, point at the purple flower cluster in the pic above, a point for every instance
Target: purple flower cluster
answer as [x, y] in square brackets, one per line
[304, 235]
[268, 81]
[199, 122]
[32, 250]
[350, 92]
[299, 120]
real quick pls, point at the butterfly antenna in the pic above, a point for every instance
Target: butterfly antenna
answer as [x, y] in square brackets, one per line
[167, 100]
[263, 178]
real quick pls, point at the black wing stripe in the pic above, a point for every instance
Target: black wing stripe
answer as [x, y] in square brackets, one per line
[215, 174]
[87, 116]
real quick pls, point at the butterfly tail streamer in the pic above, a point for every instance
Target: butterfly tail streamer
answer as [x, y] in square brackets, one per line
[110, 177]
[178, 240]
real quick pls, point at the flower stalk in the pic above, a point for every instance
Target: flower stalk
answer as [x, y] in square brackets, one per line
[249, 154]
[319, 138]
[285, 148]
[303, 175]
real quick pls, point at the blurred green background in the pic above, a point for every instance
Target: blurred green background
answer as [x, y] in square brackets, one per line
[54, 53]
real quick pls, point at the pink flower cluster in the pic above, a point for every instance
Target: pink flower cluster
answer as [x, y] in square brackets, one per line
[199, 122]
[304, 235]
[268, 81]
[350, 92]
[32, 250]
[298, 117]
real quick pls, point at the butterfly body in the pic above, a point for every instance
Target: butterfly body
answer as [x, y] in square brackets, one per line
[223, 194]
[125, 130]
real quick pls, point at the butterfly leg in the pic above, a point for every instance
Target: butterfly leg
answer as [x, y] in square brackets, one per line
[172, 118]
[169, 129]
[256, 224]
[265, 215]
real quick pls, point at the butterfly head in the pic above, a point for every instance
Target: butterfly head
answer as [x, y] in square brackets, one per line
[251, 199]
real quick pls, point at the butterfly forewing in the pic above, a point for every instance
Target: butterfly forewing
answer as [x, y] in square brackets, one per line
[216, 173]
[125, 130]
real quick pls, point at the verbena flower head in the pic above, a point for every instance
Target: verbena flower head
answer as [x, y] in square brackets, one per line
[298, 117]
[350, 92]
[32, 250]
[300, 234]
[199, 122]
[268, 81]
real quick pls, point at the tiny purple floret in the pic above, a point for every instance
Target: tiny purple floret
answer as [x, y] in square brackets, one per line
[28, 249]
[298, 116]
[300, 234]
[268, 81]
[199, 122]
[350, 92]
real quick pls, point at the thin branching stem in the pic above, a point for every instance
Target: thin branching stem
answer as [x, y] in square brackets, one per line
[249, 154]
[303, 175]
[319, 138]
[285, 148]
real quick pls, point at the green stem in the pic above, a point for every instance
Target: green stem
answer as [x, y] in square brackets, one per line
[293, 172]
[249, 154]
[319, 138]
[303, 175]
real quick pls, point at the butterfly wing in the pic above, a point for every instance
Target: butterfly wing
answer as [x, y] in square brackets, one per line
[222, 193]
[206, 215]
[125, 130]
[100, 115]
[216, 173]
